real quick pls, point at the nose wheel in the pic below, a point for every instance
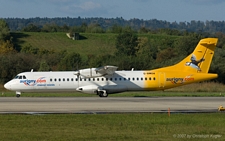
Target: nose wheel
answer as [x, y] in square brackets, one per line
[18, 94]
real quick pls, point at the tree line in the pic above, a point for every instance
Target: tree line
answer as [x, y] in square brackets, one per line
[17, 24]
[133, 51]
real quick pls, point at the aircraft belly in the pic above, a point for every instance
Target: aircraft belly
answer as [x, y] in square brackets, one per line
[135, 87]
[114, 88]
[110, 86]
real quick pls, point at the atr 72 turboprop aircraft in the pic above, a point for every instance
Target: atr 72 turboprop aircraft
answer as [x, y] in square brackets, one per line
[106, 80]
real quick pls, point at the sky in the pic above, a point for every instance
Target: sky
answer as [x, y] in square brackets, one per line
[166, 10]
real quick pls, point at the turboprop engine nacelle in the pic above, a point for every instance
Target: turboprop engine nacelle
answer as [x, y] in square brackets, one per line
[89, 73]
[96, 72]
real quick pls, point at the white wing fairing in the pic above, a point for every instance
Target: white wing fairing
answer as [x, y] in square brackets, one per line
[96, 72]
[106, 70]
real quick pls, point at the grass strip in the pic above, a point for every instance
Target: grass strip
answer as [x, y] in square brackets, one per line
[152, 126]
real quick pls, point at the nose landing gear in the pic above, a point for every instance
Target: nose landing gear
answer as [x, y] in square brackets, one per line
[18, 94]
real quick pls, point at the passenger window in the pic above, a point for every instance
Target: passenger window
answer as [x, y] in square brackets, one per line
[124, 79]
[141, 79]
[137, 78]
[89, 79]
[102, 79]
[115, 79]
[133, 79]
[150, 78]
[97, 79]
[120, 79]
[71, 79]
[59, 79]
[110, 79]
[146, 78]
[50, 79]
[68, 79]
[63, 79]
[93, 79]
[129, 78]
[55, 79]
[154, 78]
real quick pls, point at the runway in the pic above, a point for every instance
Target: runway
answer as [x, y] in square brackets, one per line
[97, 105]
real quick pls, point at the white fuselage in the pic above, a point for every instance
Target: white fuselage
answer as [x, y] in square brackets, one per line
[119, 81]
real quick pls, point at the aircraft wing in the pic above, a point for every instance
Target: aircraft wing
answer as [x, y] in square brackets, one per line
[106, 70]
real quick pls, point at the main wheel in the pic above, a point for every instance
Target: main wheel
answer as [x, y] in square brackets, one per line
[17, 95]
[105, 94]
[102, 94]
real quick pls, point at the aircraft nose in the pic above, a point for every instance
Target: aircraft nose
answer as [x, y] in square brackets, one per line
[7, 86]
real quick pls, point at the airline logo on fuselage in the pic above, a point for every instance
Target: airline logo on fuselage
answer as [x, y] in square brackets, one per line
[177, 80]
[33, 82]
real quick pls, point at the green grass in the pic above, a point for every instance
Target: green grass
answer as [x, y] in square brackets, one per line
[90, 43]
[113, 127]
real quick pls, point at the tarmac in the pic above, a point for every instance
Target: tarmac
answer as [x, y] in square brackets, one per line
[97, 105]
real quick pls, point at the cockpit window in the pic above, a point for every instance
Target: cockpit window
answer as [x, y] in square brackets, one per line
[16, 77]
[20, 77]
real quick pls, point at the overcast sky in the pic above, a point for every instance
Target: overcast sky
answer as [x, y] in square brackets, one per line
[169, 10]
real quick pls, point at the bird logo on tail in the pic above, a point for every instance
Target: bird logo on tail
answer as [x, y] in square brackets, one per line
[194, 62]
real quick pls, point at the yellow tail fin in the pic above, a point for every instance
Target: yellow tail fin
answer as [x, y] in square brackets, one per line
[200, 59]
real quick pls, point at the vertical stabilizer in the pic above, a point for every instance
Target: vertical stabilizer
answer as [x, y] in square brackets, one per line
[200, 59]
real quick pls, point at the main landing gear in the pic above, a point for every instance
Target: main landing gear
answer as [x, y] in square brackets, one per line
[102, 93]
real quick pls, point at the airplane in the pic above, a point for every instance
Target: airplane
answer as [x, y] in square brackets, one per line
[107, 80]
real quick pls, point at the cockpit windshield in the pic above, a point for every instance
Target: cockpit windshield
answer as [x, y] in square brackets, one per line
[20, 77]
[16, 77]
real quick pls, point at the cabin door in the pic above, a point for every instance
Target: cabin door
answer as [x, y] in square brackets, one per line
[162, 79]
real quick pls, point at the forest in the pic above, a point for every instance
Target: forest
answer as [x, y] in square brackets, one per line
[126, 46]
[17, 24]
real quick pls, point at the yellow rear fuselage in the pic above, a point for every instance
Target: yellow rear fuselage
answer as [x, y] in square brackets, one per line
[160, 80]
